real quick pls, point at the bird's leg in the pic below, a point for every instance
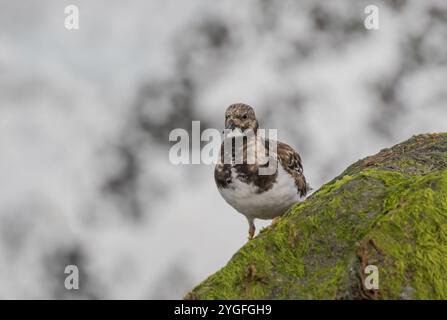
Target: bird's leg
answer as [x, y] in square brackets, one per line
[251, 229]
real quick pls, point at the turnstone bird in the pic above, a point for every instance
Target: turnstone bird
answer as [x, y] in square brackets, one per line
[255, 195]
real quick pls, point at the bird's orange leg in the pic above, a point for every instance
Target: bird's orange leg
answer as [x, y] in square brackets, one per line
[251, 229]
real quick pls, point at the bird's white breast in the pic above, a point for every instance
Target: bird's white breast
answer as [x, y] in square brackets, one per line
[266, 205]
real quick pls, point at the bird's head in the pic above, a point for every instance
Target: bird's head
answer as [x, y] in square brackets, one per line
[240, 117]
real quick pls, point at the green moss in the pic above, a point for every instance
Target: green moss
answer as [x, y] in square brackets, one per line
[413, 237]
[334, 185]
[389, 210]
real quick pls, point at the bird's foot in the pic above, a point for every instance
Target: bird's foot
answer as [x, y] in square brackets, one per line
[251, 232]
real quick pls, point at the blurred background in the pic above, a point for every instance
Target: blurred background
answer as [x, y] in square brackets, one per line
[85, 116]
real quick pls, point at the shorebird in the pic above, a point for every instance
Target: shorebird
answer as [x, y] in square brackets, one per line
[241, 184]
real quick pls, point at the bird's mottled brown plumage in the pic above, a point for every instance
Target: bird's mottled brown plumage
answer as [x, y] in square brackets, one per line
[291, 161]
[287, 156]
[241, 116]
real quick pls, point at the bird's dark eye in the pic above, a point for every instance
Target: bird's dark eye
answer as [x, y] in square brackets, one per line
[227, 116]
[244, 117]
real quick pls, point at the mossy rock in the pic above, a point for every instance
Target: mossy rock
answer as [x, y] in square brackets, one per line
[387, 210]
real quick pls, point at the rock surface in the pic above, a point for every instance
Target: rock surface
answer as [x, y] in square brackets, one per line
[388, 210]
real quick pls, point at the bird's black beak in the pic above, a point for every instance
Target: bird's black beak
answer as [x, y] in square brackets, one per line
[230, 125]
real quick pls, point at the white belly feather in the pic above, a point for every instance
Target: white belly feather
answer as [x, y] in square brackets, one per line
[266, 205]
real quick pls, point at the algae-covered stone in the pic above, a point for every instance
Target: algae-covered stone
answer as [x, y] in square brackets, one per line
[388, 210]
